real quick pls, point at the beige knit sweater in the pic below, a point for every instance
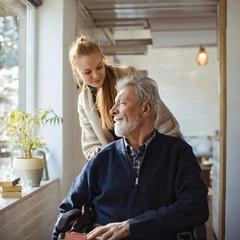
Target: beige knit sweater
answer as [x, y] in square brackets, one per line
[94, 136]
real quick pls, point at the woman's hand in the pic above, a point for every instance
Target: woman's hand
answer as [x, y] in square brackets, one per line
[95, 151]
[113, 231]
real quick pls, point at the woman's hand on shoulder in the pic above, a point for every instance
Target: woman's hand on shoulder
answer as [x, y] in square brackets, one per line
[95, 151]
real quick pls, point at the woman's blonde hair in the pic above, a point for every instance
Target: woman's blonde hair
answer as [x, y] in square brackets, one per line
[106, 94]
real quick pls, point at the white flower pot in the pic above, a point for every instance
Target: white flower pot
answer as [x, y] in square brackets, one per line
[29, 169]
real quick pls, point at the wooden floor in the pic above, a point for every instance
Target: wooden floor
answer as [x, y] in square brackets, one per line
[210, 233]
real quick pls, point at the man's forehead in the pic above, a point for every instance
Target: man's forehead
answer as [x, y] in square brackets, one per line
[126, 92]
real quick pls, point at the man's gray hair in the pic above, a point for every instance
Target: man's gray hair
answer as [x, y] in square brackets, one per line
[146, 89]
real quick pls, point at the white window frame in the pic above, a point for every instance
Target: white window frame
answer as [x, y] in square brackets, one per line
[27, 85]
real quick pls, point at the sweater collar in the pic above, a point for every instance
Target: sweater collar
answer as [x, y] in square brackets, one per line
[129, 149]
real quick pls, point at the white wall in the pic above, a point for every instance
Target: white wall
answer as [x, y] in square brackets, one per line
[56, 88]
[189, 90]
[233, 115]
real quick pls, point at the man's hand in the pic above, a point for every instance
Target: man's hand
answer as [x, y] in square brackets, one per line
[112, 231]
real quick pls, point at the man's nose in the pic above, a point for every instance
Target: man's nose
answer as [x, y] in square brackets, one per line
[113, 110]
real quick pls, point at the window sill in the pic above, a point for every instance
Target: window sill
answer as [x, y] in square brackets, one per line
[7, 203]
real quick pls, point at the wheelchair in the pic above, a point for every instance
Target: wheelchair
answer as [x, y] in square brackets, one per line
[66, 227]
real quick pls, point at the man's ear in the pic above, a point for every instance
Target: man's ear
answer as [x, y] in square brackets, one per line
[147, 108]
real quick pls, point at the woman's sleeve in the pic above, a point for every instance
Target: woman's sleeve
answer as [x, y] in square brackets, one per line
[89, 139]
[166, 123]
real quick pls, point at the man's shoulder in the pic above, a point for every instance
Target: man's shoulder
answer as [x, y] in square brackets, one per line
[166, 137]
[170, 148]
[117, 145]
[168, 140]
[111, 148]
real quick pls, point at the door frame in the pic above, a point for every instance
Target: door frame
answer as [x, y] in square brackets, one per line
[223, 117]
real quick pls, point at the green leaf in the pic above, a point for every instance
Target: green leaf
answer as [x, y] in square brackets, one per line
[22, 128]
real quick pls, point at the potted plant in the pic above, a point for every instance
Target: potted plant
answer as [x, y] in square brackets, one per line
[23, 131]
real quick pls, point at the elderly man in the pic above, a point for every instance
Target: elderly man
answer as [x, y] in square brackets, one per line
[146, 185]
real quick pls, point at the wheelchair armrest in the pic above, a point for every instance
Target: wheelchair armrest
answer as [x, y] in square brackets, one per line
[200, 232]
[66, 219]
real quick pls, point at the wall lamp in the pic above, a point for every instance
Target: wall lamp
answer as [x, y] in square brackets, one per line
[202, 56]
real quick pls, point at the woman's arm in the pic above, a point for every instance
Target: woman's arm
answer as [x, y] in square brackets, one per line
[89, 140]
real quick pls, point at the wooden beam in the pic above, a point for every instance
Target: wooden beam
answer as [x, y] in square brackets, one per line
[125, 50]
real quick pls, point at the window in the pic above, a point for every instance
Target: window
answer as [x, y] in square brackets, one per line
[16, 57]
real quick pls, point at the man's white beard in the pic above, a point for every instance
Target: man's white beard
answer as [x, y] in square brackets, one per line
[123, 128]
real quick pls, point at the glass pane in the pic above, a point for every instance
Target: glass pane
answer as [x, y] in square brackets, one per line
[12, 41]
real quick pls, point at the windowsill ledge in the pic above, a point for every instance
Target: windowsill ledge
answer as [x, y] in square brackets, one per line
[7, 203]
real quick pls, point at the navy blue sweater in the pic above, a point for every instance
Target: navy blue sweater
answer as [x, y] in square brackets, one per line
[170, 196]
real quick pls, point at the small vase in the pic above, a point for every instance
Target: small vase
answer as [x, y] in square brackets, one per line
[29, 169]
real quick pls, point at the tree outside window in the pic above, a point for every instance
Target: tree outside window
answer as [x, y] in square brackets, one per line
[8, 65]
[12, 43]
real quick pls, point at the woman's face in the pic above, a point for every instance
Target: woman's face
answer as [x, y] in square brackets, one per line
[91, 69]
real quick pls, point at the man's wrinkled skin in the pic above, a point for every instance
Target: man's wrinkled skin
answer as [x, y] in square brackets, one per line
[111, 231]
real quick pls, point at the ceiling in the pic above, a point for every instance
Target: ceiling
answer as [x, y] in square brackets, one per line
[162, 23]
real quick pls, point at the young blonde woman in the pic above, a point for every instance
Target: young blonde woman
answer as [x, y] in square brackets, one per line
[97, 80]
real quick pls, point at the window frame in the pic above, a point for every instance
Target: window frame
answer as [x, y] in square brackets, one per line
[27, 85]
[26, 14]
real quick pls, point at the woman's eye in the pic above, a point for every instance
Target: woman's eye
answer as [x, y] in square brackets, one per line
[99, 67]
[87, 73]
